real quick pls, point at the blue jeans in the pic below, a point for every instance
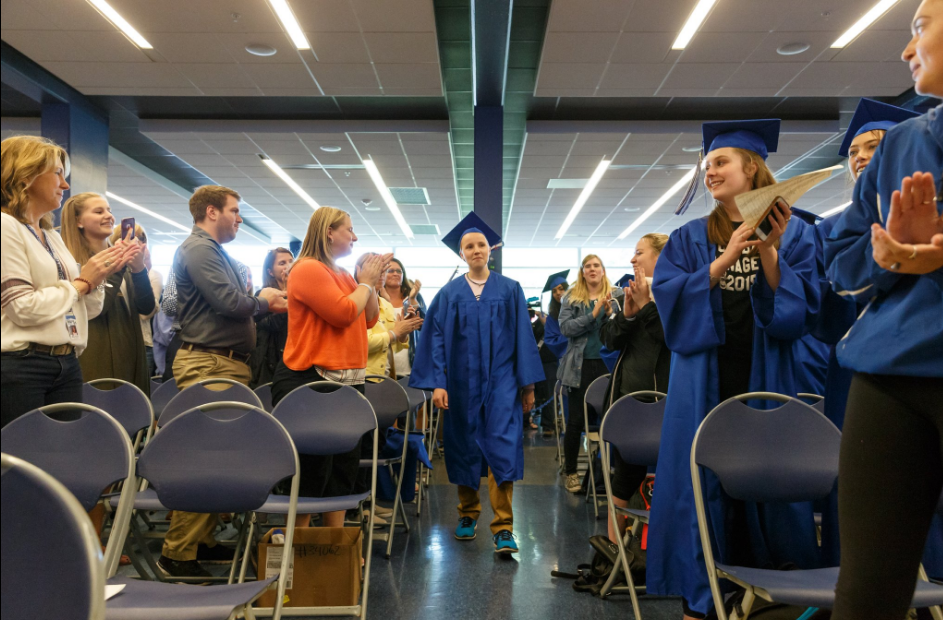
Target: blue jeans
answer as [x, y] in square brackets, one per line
[30, 380]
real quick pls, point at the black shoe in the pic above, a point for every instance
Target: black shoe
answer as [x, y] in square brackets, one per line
[177, 568]
[217, 554]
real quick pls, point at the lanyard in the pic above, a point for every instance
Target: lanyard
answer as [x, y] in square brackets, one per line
[45, 244]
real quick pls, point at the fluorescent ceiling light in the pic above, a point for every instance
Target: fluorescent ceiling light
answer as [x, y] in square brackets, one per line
[837, 209]
[694, 22]
[869, 18]
[290, 182]
[158, 216]
[121, 23]
[584, 196]
[290, 24]
[387, 197]
[677, 187]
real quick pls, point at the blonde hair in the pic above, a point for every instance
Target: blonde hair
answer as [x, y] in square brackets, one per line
[719, 225]
[139, 234]
[316, 244]
[579, 293]
[656, 240]
[22, 159]
[74, 239]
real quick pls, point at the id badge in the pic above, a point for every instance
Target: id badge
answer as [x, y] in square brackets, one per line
[71, 325]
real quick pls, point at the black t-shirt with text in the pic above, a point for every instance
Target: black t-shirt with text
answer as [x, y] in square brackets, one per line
[734, 357]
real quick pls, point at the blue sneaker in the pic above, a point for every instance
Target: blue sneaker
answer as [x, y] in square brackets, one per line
[466, 529]
[504, 542]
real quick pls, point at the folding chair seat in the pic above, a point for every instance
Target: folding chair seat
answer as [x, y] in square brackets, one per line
[222, 457]
[633, 429]
[324, 418]
[52, 561]
[595, 398]
[389, 401]
[87, 453]
[787, 454]
[126, 403]
[161, 395]
[264, 392]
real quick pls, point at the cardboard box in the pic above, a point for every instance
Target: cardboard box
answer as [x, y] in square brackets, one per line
[325, 567]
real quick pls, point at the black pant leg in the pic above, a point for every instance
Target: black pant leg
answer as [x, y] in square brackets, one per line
[891, 448]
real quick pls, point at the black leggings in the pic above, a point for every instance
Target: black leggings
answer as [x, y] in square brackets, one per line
[592, 370]
[891, 449]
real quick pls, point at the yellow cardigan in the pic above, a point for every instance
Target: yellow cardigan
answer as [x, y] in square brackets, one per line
[379, 340]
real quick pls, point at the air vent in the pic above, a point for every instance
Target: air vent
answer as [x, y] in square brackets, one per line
[567, 183]
[425, 229]
[410, 195]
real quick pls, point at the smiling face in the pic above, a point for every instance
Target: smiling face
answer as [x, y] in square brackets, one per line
[725, 174]
[593, 271]
[862, 150]
[475, 250]
[95, 220]
[645, 257]
[558, 292]
[45, 192]
[394, 275]
[924, 53]
[342, 238]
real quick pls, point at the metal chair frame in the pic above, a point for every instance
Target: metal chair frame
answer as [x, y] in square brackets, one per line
[591, 444]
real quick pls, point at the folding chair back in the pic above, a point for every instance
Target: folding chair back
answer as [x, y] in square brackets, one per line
[218, 457]
[126, 403]
[264, 392]
[787, 454]
[156, 380]
[52, 562]
[417, 398]
[325, 417]
[199, 394]
[633, 427]
[388, 399]
[596, 396]
[162, 394]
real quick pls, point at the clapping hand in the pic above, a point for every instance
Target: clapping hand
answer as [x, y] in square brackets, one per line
[641, 291]
[414, 291]
[630, 309]
[913, 216]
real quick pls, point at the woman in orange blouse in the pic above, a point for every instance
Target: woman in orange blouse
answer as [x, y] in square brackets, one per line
[329, 312]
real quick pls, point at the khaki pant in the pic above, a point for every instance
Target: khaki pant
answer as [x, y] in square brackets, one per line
[188, 530]
[501, 499]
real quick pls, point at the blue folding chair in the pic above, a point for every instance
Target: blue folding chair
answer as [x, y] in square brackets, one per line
[220, 457]
[52, 561]
[595, 398]
[126, 403]
[429, 427]
[389, 401]
[787, 454]
[161, 395]
[264, 392]
[559, 420]
[816, 401]
[633, 429]
[324, 418]
[87, 454]
[156, 380]
[200, 394]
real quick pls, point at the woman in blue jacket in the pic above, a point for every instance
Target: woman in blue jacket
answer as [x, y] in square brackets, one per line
[887, 248]
[732, 309]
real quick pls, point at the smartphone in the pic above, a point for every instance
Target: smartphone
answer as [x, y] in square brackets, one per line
[765, 227]
[126, 225]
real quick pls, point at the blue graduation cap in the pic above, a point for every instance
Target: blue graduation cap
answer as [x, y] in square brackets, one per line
[556, 280]
[759, 136]
[471, 223]
[806, 216]
[871, 115]
[624, 280]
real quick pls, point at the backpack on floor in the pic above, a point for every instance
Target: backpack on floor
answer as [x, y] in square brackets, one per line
[593, 576]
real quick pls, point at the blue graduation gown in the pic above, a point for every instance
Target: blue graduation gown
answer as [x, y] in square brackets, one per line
[554, 338]
[693, 318]
[482, 352]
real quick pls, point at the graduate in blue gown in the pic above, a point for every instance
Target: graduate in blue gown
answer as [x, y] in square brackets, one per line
[732, 310]
[479, 355]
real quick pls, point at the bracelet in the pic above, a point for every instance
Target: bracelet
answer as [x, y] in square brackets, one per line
[914, 255]
[86, 283]
[365, 284]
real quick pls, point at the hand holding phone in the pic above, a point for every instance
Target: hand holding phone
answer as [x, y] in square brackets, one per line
[127, 229]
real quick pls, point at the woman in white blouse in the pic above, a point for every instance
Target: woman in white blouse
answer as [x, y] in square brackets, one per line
[46, 299]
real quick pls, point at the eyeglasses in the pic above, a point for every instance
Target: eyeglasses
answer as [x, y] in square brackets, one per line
[394, 271]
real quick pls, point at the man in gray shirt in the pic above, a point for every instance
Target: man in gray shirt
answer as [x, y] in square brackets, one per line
[216, 313]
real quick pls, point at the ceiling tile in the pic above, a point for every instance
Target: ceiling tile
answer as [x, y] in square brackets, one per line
[643, 47]
[717, 47]
[635, 76]
[395, 15]
[557, 76]
[572, 16]
[402, 47]
[576, 47]
[326, 16]
[419, 76]
[763, 75]
[339, 47]
[706, 76]
[216, 75]
[293, 75]
[344, 76]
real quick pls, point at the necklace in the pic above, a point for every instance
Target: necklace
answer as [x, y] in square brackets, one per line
[468, 277]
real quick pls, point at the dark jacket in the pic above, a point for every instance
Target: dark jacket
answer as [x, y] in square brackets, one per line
[644, 358]
[271, 336]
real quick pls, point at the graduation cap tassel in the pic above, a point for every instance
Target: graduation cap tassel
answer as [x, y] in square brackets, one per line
[692, 188]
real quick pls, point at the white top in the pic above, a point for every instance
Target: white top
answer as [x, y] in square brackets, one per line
[157, 286]
[35, 303]
[401, 357]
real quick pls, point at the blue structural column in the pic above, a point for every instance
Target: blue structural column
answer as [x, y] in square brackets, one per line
[84, 136]
[489, 181]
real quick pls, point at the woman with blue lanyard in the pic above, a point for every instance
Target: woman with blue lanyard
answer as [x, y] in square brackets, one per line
[887, 249]
[47, 300]
[732, 308]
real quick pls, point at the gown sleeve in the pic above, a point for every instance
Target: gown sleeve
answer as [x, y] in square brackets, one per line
[682, 284]
[785, 312]
[553, 338]
[429, 366]
[836, 314]
[528, 366]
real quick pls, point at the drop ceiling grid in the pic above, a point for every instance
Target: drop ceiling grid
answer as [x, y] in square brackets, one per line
[360, 47]
[733, 53]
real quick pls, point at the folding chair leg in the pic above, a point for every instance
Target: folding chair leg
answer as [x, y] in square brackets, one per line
[240, 539]
[148, 558]
[245, 555]
[937, 611]
[419, 493]
[135, 559]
